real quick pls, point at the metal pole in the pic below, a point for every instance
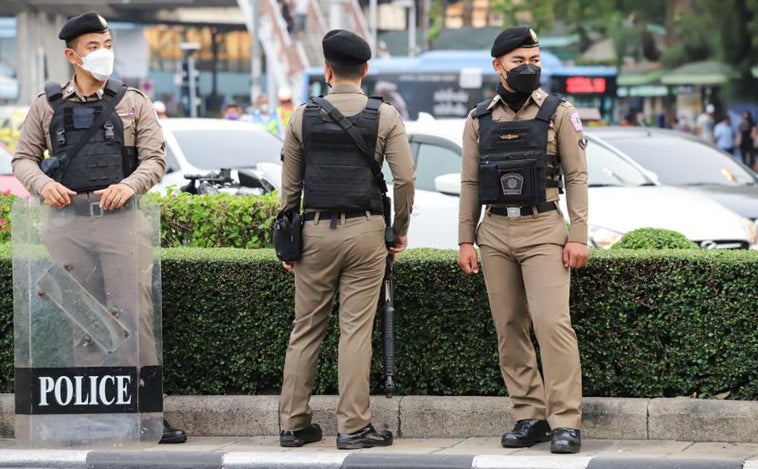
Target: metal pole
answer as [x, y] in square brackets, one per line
[412, 29]
[373, 13]
[255, 89]
[192, 84]
[425, 6]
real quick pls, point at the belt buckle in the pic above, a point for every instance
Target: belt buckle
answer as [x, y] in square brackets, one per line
[95, 210]
[513, 212]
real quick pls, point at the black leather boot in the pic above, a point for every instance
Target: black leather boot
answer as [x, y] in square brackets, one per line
[526, 433]
[296, 438]
[566, 441]
[367, 437]
[171, 434]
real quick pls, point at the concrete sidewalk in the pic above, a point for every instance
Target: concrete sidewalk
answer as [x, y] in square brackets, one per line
[431, 432]
[447, 453]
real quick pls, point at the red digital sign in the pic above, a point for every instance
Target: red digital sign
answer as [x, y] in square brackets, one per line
[586, 85]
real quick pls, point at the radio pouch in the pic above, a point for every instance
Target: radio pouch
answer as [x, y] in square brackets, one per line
[288, 236]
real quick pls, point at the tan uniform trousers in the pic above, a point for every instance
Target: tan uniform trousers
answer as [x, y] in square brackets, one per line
[111, 257]
[348, 259]
[527, 283]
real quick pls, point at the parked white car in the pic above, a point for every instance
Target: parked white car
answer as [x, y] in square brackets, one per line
[622, 196]
[198, 146]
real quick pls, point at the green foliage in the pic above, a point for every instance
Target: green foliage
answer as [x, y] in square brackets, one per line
[654, 238]
[6, 203]
[219, 220]
[650, 324]
[436, 19]
[203, 221]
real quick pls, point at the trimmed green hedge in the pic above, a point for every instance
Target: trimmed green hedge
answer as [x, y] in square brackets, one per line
[218, 220]
[201, 221]
[650, 324]
[654, 238]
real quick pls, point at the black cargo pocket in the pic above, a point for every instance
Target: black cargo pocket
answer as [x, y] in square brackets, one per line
[489, 185]
[517, 181]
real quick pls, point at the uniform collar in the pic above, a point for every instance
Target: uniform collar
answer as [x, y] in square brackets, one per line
[71, 89]
[341, 88]
[538, 96]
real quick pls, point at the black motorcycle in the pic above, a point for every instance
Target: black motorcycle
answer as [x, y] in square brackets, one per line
[249, 181]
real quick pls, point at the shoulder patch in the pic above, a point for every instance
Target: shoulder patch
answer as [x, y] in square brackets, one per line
[576, 121]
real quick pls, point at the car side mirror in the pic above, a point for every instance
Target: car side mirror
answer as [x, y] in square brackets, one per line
[250, 179]
[652, 176]
[448, 184]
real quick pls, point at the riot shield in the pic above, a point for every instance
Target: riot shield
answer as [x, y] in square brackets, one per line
[87, 323]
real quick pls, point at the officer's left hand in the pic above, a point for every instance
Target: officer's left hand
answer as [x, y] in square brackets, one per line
[288, 266]
[115, 196]
[400, 243]
[575, 255]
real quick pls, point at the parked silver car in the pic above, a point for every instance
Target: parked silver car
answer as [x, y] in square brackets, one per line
[622, 196]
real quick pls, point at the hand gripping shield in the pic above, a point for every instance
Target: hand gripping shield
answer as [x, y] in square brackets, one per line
[87, 320]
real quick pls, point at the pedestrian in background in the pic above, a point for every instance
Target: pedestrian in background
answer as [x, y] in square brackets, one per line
[516, 146]
[747, 135]
[704, 123]
[265, 117]
[301, 17]
[344, 248]
[724, 135]
[285, 109]
[232, 111]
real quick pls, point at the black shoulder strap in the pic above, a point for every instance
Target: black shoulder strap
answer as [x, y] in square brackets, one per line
[372, 106]
[114, 92]
[482, 108]
[54, 93]
[547, 110]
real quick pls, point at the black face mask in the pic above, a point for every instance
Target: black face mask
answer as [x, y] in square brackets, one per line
[525, 78]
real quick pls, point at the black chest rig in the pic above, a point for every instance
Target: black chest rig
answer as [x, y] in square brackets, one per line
[104, 159]
[338, 176]
[514, 167]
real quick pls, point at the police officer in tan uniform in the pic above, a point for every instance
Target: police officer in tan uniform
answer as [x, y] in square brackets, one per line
[344, 248]
[93, 228]
[518, 147]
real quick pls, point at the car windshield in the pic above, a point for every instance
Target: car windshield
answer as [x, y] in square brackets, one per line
[607, 168]
[212, 149]
[682, 162]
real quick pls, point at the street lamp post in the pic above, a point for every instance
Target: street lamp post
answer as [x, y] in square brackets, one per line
[189, 49]
[411, 6]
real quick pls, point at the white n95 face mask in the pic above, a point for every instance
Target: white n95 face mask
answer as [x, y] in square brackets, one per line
[99, 63]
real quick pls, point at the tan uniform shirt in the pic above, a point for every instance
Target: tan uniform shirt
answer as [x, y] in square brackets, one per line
[564, 137]
[141, 130]
[392, 144]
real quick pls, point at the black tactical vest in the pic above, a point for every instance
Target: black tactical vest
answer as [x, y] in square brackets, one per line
[338, 176]
[514, 167]
[104, 159]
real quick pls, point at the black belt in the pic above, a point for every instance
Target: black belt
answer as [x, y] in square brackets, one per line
[93, 209]
[310, 216]
[516, 212]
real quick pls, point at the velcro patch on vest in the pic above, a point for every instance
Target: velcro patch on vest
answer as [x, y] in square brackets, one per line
[512, 183]
[84, 117]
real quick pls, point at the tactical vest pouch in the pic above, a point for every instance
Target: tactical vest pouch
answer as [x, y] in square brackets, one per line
[52, 167]
[513, 182]
[288, 236]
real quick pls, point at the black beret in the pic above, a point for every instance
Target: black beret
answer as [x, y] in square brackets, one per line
[346, 48]
[513, 38]
[87, 23]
